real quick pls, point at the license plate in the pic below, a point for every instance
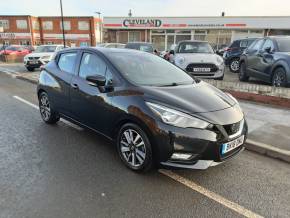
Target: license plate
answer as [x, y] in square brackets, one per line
[33, 62]
[226, 147]
[201, 69]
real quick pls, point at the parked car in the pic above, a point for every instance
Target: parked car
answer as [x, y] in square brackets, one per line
[267, 59]
[198, 59]
[17, 50]
[234, 51]
[111, 45]
[141, 46]
[41, 56]
[220, 49]
[154, 111]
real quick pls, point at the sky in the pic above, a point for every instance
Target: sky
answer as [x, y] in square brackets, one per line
[147, 7]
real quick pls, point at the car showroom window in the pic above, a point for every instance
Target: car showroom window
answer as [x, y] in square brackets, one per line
[66, 62]
[91, 65]
[268, 44]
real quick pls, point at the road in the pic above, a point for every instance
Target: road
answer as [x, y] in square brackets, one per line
[62, 171]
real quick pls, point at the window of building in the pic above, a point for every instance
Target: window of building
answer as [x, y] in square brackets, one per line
[182, 37]
[158, 31]
[35, 25]
[83, 25]
[4, 24]
[66, 25]
[24, 42]
[159, 42]
[91, 65]
[6, 42]
[66, 62]
[21, 24]
[122, 36]
[47, 25]
[134, 36]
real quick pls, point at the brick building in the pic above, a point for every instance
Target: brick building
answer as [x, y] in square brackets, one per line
[29, 30]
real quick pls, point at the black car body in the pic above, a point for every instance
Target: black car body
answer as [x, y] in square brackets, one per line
[232, 53]
[141, 46]
[185, 123]
[267, 59]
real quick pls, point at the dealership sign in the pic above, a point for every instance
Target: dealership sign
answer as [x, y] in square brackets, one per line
[142, 23]
[15, 35]
[196, 22]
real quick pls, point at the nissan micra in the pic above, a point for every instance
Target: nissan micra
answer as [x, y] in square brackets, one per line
[155, 112]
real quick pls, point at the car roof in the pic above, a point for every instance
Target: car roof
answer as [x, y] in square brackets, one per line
[143, 43]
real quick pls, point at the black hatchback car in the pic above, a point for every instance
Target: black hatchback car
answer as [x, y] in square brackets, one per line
[234, 51]
[267, 59]
[151, 109]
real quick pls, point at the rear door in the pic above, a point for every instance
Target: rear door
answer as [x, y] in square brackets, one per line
[63, 72]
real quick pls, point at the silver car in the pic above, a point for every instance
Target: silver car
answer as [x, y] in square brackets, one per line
[198, 59]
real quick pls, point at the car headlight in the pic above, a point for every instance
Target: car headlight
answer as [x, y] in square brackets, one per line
[179, 61]
[177, 118]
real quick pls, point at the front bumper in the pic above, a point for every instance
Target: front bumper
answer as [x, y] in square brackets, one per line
[35, 64]
[204, 145]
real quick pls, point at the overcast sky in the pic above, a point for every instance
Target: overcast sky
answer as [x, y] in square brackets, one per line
[147, 7]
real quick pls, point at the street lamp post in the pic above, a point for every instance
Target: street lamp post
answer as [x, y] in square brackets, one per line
[100, 29]
[62, 23]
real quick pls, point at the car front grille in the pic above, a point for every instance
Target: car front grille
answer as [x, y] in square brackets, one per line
[33, 58]
[202, 69]
[234, 129]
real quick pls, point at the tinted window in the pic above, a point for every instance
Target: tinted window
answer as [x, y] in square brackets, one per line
[146, 69]
[283, 44]
[66, 62]
[235, 44]
[41, 49]
[91, 65]
[257, 45]
[195, 47]
[268, 44]
[244, 43]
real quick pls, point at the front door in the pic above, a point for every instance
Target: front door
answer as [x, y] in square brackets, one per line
[253, 58]
[89, 103]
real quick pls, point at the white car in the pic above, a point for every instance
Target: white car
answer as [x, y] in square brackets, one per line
[41, 56]
[198, 59]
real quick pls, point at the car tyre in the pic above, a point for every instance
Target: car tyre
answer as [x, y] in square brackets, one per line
[234, 65]
[279, 78]
[243, 73]
[31, 69]
[48, 114]
[134, 148]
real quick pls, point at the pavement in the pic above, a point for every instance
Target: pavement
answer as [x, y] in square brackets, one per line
[269, 126]
[63, 171]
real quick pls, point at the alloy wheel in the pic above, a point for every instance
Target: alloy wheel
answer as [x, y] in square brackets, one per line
[132, 148]
[278, 79]
[45, 107]
[235, 65]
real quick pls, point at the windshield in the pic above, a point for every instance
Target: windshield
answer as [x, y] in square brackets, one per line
[283, 44]
[41, 49]
[195, 47]
[13, 48]
[150, 70]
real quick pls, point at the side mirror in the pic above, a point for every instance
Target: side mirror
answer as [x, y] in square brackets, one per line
[268, 50]
[96, 80]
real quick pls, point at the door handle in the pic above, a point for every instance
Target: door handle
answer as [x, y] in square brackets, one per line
[75, 86]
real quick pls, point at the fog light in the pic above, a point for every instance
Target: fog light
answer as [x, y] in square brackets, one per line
[180, 156]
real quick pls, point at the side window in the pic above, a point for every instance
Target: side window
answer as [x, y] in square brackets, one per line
[257, 45]
[244, 44]
[91, 65]
[66, 62]
[268, 44]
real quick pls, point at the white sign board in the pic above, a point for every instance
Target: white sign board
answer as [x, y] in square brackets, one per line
[196, 22]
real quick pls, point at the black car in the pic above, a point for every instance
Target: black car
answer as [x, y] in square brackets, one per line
[151, 109]
[234, 51]
[141, 46]
[267, 59]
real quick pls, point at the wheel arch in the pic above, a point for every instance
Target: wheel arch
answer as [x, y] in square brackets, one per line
[281, 64]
